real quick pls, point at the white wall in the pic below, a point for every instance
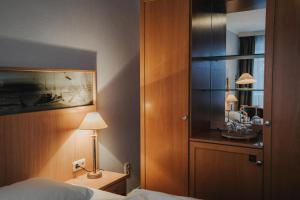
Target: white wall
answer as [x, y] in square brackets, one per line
[118, 80]
[102, 34]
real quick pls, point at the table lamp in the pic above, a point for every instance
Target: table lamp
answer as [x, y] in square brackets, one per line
[93, 121]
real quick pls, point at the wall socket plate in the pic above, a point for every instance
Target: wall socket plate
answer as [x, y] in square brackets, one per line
[77, 164]
[127, 168]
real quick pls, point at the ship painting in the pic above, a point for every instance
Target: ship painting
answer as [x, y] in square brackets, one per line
[29, 91]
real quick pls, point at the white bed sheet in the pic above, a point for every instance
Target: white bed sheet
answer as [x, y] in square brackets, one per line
[102, 195]
[140, 194]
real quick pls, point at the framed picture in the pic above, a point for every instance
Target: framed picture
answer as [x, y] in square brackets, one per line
[36, 90]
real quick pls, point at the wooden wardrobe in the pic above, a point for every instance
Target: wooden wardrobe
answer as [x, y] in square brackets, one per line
[164, 95]
[282, 139]
[173, 159]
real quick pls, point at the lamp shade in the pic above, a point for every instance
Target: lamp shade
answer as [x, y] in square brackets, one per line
[231, 98]
[245, 78]
[93, 121]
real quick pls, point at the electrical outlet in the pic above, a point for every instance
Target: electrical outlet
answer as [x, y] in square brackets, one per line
[127, 168]
[77, 164]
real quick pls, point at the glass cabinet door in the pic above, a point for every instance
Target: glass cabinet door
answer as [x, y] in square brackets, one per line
[227, 69]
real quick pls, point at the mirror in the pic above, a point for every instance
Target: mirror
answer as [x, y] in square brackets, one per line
[228, 46]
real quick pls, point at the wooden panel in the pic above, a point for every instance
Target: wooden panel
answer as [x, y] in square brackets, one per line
[43, 144]
[224, 172]
[165, 64]
[268, 95]
[2, 158]
[285, 161]
[142, 96]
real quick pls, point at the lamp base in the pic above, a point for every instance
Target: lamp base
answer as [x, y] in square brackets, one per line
[93, 175]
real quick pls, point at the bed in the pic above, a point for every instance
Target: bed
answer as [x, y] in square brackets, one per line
[102, 195]
[46, 189]
[138, 194]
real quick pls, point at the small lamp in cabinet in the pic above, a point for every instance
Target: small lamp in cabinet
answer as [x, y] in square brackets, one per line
[231, 99]
[93, 121]
[245, 78]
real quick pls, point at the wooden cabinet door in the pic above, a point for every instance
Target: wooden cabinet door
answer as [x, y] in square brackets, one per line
[225, 172]
[164, 95]
[282, 102]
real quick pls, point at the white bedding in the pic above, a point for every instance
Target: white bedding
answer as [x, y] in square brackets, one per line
[102, 195]
[45, 189]
[141, 194]
[137, 194]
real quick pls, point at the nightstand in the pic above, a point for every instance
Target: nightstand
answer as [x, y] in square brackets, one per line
[110, 181]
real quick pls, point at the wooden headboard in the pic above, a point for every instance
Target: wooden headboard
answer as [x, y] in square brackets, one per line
[42, 144]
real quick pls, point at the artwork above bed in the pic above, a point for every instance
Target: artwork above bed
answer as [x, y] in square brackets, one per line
[36, 90]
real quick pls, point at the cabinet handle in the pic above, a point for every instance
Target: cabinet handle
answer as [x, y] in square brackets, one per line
[185, 117]
[259, 163]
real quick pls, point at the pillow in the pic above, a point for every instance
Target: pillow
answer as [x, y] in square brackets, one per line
[44, 189]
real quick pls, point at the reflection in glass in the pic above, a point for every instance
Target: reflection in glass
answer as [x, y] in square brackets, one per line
[227, 67]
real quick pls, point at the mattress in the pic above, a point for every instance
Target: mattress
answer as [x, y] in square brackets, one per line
[102, 195]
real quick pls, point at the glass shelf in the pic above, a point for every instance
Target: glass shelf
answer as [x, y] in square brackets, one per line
[229, 57]
[215, 136]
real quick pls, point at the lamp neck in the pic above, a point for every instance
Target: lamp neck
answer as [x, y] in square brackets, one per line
[94, 134]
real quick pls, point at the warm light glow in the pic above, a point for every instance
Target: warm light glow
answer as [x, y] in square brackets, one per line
[231, 98]
[245, 78]
[93, 121]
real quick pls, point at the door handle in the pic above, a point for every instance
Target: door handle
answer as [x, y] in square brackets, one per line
[185, 117]
[253, 159]
[259, 163]
[268, 123]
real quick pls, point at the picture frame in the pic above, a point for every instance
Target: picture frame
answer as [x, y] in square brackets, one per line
[25, 90]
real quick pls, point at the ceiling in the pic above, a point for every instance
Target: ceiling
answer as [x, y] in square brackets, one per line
[247, 21]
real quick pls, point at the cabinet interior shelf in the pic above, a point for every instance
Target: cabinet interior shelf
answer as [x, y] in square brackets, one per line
[236, 89]
[214, 136]
[229, 57]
